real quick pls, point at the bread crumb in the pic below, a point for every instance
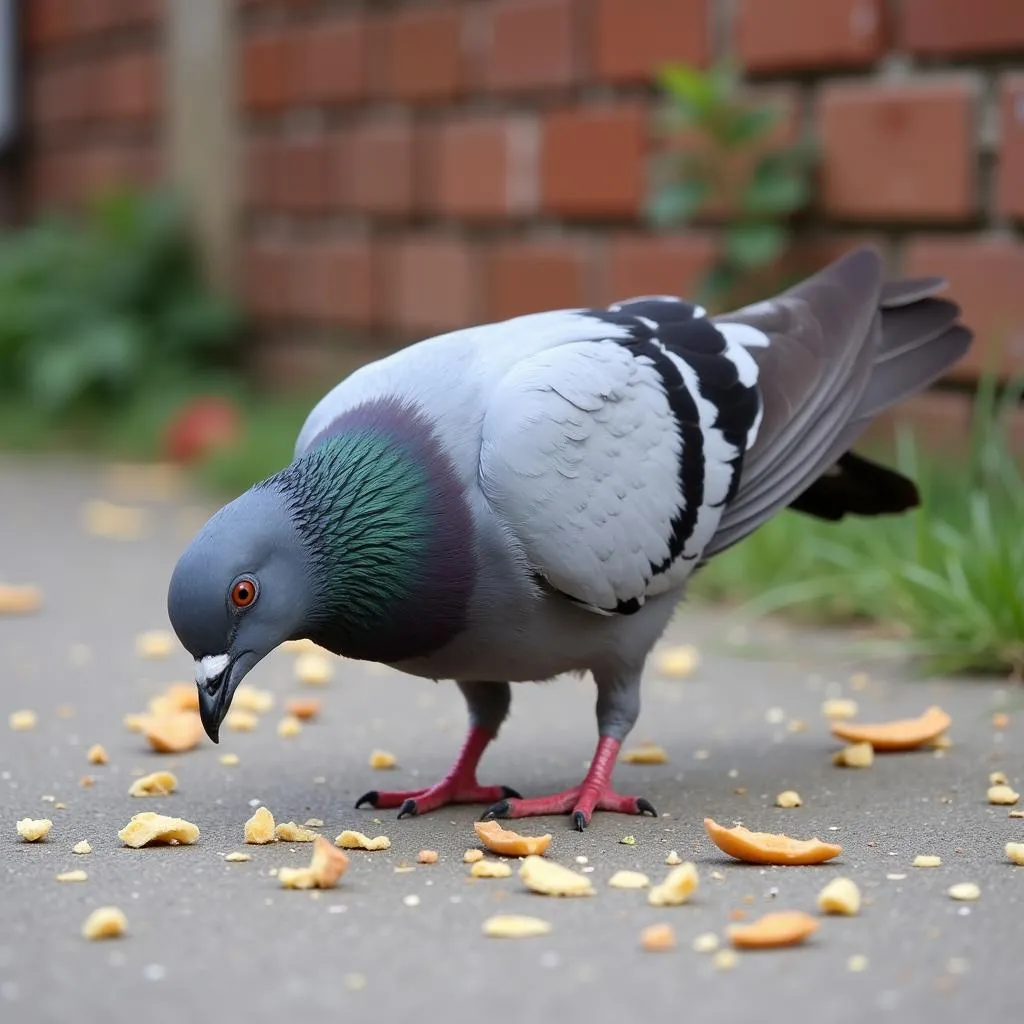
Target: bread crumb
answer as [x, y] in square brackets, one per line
[313, 669]
[857, 963]
[352, 840]
[19, 600]
[235, 857]
[248, 698]
[105, 923]
[177, 697]
[154, 784]
[840, 896]
[114, 522]
[289, 726]
[780, 928]
[1015, 852]
[927, 860]
[856, 755]
[515, 926]
[1000, 720]
[241, 720]
[998, 779]
[259, 829]
[1002, 795]
[839, 708]
[725, 960]
[673, 858]
[382, 759]
[629, 880]
[327, 865]
[426, 857]
[86, 781]
[228, 759]
[290, 832]
[508, 843]
[646, 753]
[32, 830]
[72, 876]
[472, 856]
[412, 900]
[964, 891]
[149, 827]
[859, 681]
[135, 723]
[97, 754]
[679, 885]
[706, 942]
[940, 743]
[678, 662]
[154, 644]
[551, 879]
[313, 822]
[490, 869]
[628, 840]
[82, 847]
[303, 708]
[658, 938]
[788, 798]
[23, 721]
[173, 733]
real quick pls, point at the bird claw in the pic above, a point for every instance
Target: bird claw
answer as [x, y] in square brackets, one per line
[408, 809]
[498, 810]
[370, 798]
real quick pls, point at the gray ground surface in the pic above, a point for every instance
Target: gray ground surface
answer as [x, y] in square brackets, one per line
[216, 941]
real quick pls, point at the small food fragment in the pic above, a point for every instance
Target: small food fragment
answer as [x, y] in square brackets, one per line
[551, 879]
[240, 720]
[679, 885]
[154, 643]
[839, 708]
[856, 755]
[901, 734]
[678, 662]
[515, 926]
[490, 869]
[706, 942]
[412, 900]
[228, 759]
[725, 960]
[646, 753]
[673, 858]
[426, 857]
[857, 963]
[1000, 720]
[259, 829]
[149, 827]
[177, 697]
[135, 723]
[628, 840]
[781, 928]
[927, 860]
[964, 891]
[289, 726]
[82, 847]
[154, 784]
[72, 876]
[174, 733]
[303, 708]
[86, 781]
[351, 840]
[998, 779]
[235, 857]
[1002, 795]
[509, 843]
[313, 669]
[941, 743]
[382, 759]
[629, 880]
[768, 847]
[326, 867]
[34, 829]
[19, 600]
[23, 721]
[658, 938]
[472, 856]
[97, 754]
[1016, 814]
[788, 798]
[105, 923]
[115, 522]
[840, 896]
[249, 698]
[1015, 852]
[290, 832]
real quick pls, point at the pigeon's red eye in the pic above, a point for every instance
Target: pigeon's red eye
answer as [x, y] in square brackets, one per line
[243, 593]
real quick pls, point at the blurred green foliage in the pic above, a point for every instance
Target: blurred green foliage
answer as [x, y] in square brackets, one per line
[103, 307]
[723, 155]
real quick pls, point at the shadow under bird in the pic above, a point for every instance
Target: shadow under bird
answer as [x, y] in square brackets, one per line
[527, 498]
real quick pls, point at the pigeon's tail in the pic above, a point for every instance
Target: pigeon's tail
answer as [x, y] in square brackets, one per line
[843, 346]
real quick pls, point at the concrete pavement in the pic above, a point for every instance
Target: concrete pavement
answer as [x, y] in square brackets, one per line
[211, 941]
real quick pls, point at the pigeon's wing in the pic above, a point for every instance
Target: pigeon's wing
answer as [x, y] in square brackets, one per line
[611, 459]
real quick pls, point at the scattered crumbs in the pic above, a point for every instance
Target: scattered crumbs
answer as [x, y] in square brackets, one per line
[788, 798]
[289, 726]
[86, 781]
[23, 720]
[412, 900]
[673, 858]
[646, 753]
[1000, 720]
[658, 938]
[856, 755]
[105, 923]
[838, 708]
[236, 857]
[154, 643]
[927, 860]
[706, 942]
[19, 600]
[313, 669]
[1003, 795]
[629, 880]
[1015, 853]
[383, 760]
[895, 876]
[717, 876]
[313, 822]
[796, 725]
[72, 876]
[240, 720]
[82, 847]
[678, 662]
[964, 891]
[857, 963]
[581, 859]
[32, 830]
[775, 716]
[472, 856]
[97, 754]
[725, 960]
[628, 840]
[228, 759]
[427, 857]
[998, 779]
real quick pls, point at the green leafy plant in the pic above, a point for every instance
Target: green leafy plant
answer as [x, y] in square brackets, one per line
[723, 155]
[98, 308]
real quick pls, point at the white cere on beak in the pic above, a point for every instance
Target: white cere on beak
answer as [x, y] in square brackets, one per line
[210, 666]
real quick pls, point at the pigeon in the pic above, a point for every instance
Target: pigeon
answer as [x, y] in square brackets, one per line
[524, 499]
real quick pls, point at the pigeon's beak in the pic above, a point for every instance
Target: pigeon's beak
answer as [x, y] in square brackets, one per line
[217, 676]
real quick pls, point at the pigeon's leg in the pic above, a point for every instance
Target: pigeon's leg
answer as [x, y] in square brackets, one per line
[488, 707]
[618, 705]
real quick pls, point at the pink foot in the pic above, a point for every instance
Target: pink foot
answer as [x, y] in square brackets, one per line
[595, 793]
[459, 786]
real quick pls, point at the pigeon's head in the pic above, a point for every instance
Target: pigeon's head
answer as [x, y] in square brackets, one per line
[241, 588]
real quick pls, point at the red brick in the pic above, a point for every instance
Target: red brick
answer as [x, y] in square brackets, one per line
[380, 168]
[946, 27]
[939, 422]
[429, 284]
[533, 276]
[633, 38]
[305, 174]
[526, 44]
[986, 278]
[783, 35]
[333, 282]
[332, 68]
[267, 68]
[266, 267]
[421, 54]
[899, 152]
[641, 264]
[487, 167]
[131, 86]
[1010, 173]
[47, 22]
[592, 161]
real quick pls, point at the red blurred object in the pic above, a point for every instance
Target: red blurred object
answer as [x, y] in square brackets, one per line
[200, 426]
